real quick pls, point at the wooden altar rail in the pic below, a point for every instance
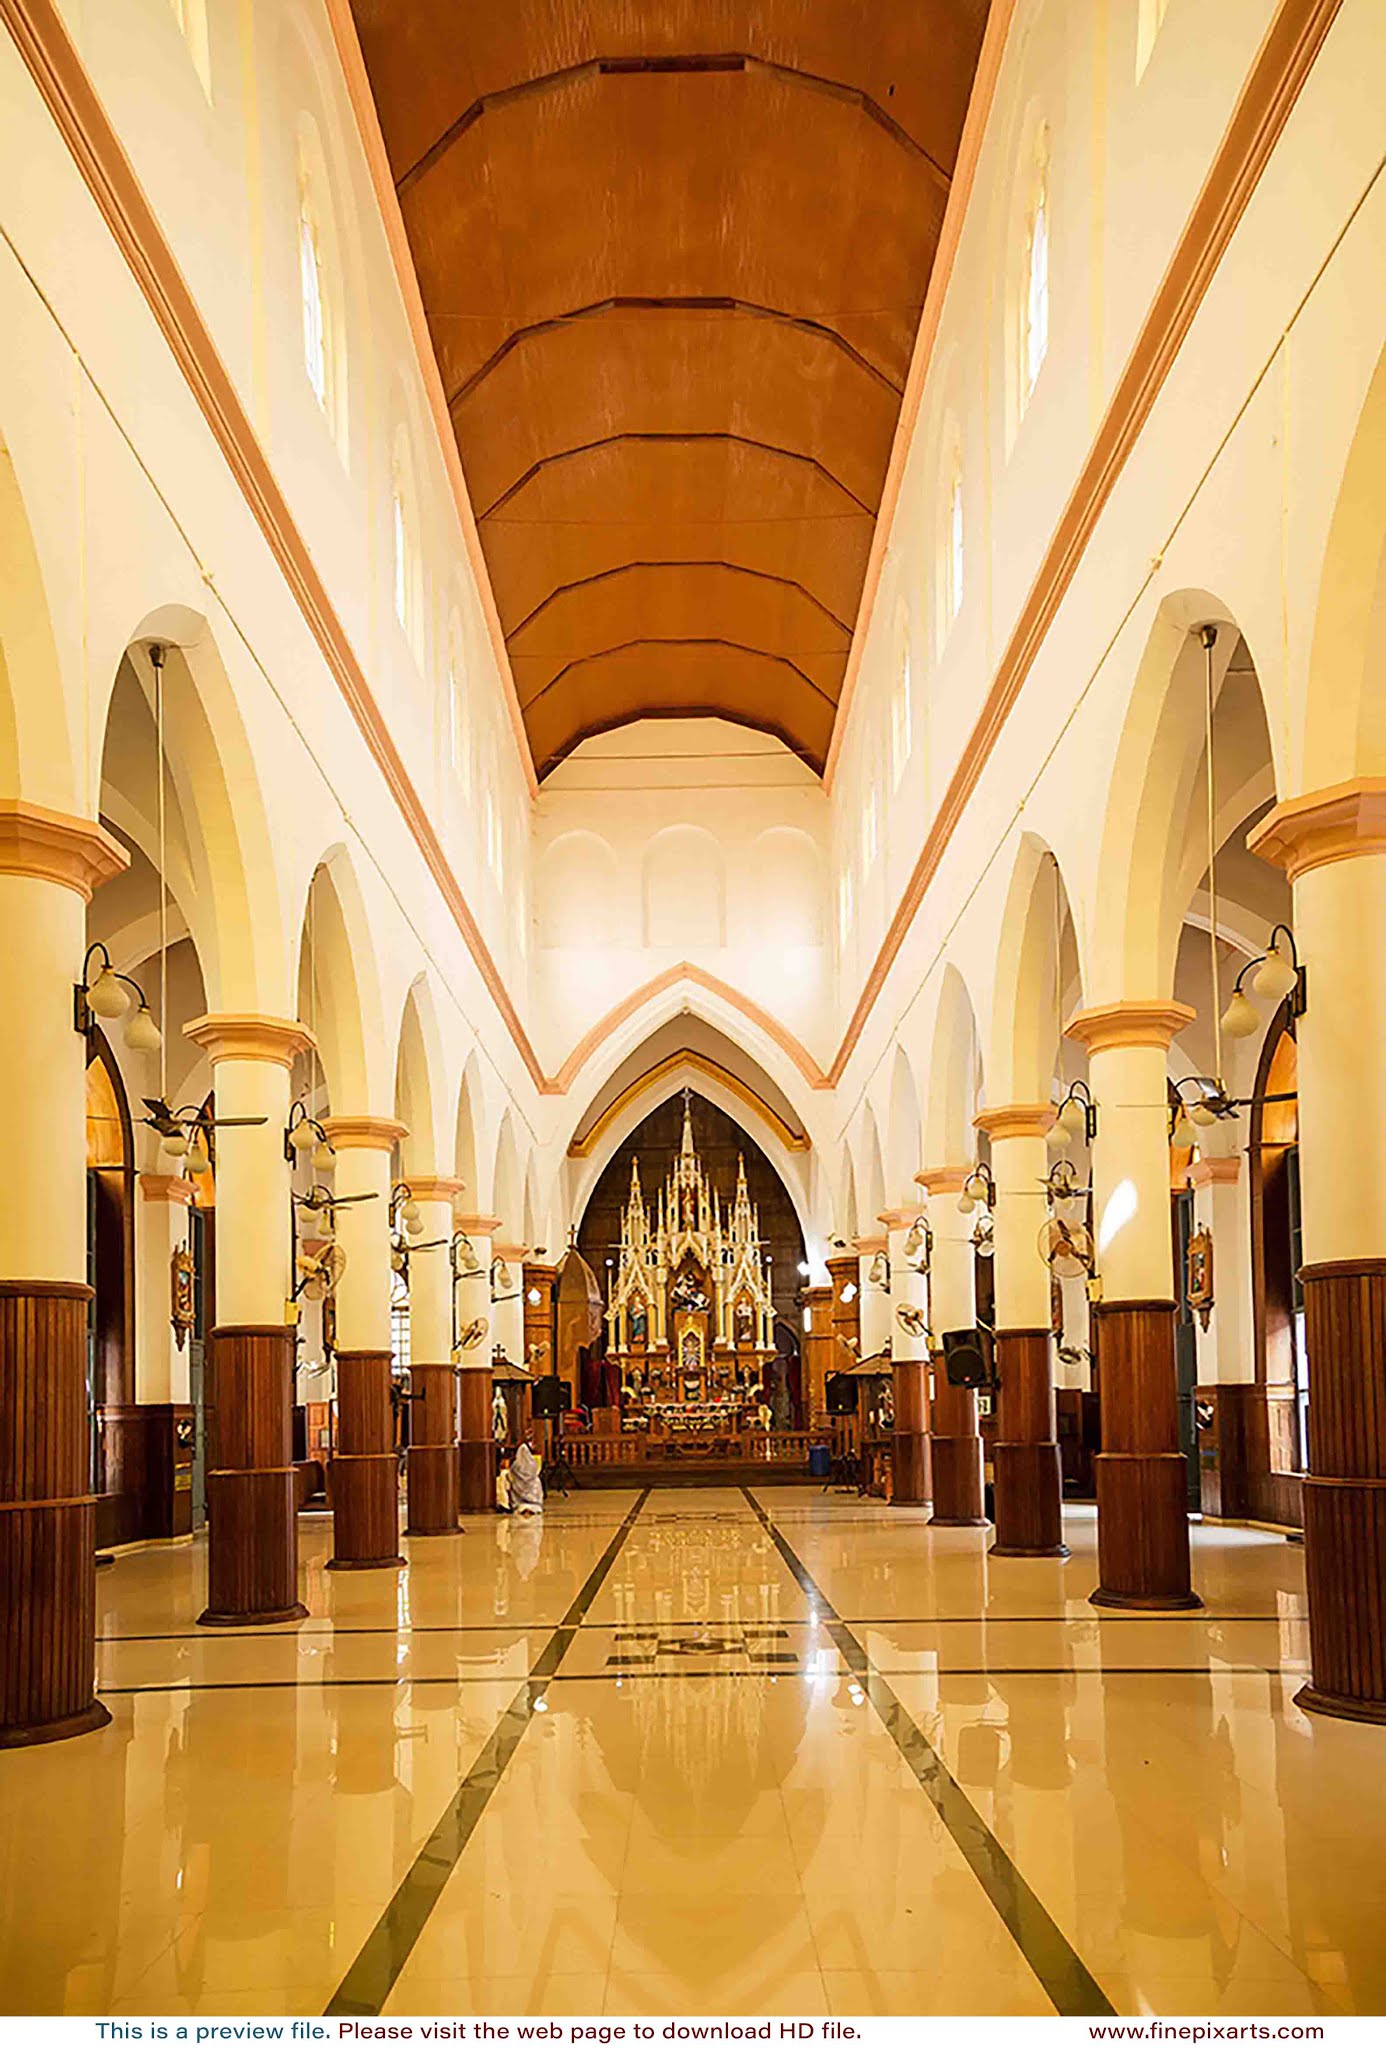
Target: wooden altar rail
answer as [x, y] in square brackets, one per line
[732, 1447]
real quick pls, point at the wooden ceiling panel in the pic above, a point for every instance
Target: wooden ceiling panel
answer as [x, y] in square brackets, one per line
[673, 254]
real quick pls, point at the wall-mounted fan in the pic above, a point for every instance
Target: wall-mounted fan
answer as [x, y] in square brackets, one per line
[534, 1352]
[912, 1320]
[984, 1236]
[1066, 1248]
[473, 1334]
[320, 1271]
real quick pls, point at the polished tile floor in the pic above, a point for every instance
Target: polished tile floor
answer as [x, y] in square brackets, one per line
[770, 1753]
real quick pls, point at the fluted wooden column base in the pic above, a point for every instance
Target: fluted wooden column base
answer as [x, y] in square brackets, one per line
[252, 1533]
[476, 1452]
[47, 1517]
[955, 1456]
[1143, 1531]
[1025, 1456]
[1142, 1477]
[432, 1491]
[365, 1473]
[252, 1563]
[1345, 1490]
[910, 1452]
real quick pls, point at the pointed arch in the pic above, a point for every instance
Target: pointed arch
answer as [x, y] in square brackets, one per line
[904, 1133]
[339, 988]
[1345, 709]
[507, 1188]
[469, 1126]
[1035, 967]
[955, 1076]
[419, 1089]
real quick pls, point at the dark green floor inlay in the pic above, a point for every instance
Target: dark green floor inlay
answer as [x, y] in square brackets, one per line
[371, 1978]
[1067, 1980]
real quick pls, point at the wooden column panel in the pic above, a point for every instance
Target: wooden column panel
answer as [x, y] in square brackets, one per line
[1025, 1453]
[431, 1470]
[365, 1472]
[910, 1453]
[476, 1448]
[817, 1352]
[955, 1455]
[541, 1327]
[47, 1517]
[252, 1536]
[1345, 1489]
[1142, 1481]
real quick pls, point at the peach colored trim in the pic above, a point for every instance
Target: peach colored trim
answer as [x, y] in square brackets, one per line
[943, 1180]
[167, 1187]
[926, 334]
[245, 1035]
[1220, 1172]
[479, 1226]
[1273, 84]
[899, 1219]
[1110, 1025]
[792, 1140]
[51, 846]
[363, 1133]
[591, 1040]
[869, 1247]
[1341, 823]
[433, 1187]
[363, 108]
[1016, 1120]
[57, 70]
[513, 1254]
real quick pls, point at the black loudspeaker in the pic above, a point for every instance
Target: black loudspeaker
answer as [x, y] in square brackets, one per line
[967, 1358]
[551, 1396]
[840, 1392]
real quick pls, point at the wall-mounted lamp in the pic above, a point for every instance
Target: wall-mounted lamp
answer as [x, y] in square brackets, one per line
[103, 995]
[919, 1244]
[1275, 975]
[1076, 1117]
[978, 1187]
[304, 1134]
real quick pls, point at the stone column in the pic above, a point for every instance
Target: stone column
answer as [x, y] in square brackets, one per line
[508, 1312]
[909, 1366]
[162, 1380]
[477, 1449]
[1025, 1453]
[1332, 844]
[1142, 1481]
[431, 1467]
[955, 1443]
[49, 865]
[252, 1534]
[364, 1478]
[817, 1350]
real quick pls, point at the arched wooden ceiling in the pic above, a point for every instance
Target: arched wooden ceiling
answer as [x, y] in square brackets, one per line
[673, 255]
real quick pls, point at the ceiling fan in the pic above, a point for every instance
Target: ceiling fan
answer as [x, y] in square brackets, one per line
[320, 1201]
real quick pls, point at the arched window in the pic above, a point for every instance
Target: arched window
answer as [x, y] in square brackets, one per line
[1150, 15]
[310, 286]
[1034, 308]
[844, 909]
[191, 17]
[399, 550]
[870, 827]
[954, 545]
[902, 712]
[452, 707]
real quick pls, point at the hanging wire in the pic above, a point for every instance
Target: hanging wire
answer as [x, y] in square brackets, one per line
[156, 657]
[1209, 637]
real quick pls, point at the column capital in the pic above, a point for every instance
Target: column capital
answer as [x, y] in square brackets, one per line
[478, 1226]
[364, 1133]
[434, 1187]
[53, 846]
[1112, 1025]
[899, 1219]
[1342, 822]
[1221, 1171]
[1016, 1120]
[166, 1187]
[942, 1180]
[247, 1035]
[818, 1297]
[513, 1254]
[868, 1247]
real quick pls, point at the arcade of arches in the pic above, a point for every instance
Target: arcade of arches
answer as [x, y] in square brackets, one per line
[728, 822]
